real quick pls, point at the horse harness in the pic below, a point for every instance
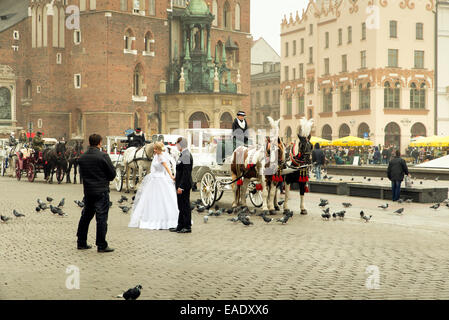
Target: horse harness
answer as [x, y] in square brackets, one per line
[145, 152]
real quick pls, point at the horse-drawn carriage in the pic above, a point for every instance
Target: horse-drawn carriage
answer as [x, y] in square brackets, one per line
[31, 162]
[211, 150]
[115, 147]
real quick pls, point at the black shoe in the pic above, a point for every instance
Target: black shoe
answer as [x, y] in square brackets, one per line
[107, 249]
[185, 230]
[84, 247]
[174, 230]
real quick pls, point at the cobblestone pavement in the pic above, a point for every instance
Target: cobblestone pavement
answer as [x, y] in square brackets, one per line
[307, 258]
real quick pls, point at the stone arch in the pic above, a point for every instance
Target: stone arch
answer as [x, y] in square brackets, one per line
[344, 131]
[326, 132]
[393, 134]
[362, 129]
[199, 118]
[418, 130]
[226, 120]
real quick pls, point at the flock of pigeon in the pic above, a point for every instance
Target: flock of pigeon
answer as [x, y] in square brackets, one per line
[41, 206]
[242, 213]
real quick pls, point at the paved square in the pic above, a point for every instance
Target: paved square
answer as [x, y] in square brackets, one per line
[307, 258]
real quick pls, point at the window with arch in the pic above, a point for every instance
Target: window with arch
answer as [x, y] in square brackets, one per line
[129, 40]
[55, 23]
[363, 131]
[364, 96]
[392, 95]
[149, 43]
[345, 98]
[215, 13]
[327, 100]
[237, 16]
[393, 135]
[226, 121]
[138, 81]
[344, 131]
[326, 132]
[39, 27]
[28, 89]
[199, 120]
[418, 96]
[227, 16]
[418, 130]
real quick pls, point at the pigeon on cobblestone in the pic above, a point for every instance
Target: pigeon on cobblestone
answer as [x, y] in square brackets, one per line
[400, 200]
[17, 214]
[38, 209]
[4, 218]
[323, 203]
[341, 214]
[125, 209]
[229, 211]
[42, 205]
[435, 206]
[131, 294]
[384, 206]
[285, 218]
[327, 210]
[399, 211]
[334, 215]
[205, 219]
[122, 199]
[246, 221]
[367, 218]
[200, 209]
[347, 204]
[281, 202]
[408, 200]
[61, 203]
[326, 216]
[266, 219]
[49, 199]
[362, 214]
[133, 198]
[79, 203]
[56, 210]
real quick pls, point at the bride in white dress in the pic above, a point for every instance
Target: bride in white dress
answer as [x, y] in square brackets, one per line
[155, 205]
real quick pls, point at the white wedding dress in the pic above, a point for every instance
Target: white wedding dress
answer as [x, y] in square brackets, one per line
[155, 205]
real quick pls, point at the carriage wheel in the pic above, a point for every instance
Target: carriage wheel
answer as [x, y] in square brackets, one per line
[207, 189]
[218, 193]
[60, 174]
[18, 171]
[118, 181]
[256, 196]
[31, 172]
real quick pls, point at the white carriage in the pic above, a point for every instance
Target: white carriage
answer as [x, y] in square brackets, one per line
[211, 151]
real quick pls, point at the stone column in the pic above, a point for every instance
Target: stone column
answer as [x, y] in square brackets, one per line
[216, 109]
[181, 111]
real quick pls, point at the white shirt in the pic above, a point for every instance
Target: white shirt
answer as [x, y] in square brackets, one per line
[242, 123]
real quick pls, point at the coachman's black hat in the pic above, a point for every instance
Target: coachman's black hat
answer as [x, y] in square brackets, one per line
[241, 113]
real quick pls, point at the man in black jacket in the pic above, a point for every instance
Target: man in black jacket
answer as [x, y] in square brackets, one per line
[240, 130]
[183, 183]
[319, 159]
[136, 139]
[396, 170]
[96, 170]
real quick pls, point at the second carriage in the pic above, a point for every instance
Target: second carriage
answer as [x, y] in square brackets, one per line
[211, 150]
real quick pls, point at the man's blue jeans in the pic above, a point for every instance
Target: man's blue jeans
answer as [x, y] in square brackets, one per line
[396, 189]
[318, 171]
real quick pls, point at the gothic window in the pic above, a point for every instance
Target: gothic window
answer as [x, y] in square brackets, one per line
[129, 37]
[55, 23]
[138, 81]
[149, 42]
[237, 16]
[227, 16]
[28, 89]
[215, 13]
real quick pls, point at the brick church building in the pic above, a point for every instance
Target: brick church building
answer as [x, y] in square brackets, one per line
[115, 70]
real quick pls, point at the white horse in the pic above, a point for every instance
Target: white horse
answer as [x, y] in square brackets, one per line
[137, 160]
[12, 158]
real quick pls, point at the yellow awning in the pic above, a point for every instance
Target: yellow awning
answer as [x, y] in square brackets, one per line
[351, 141]
[425, 142]
[321, 141]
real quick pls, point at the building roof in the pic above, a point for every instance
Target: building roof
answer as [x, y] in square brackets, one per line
[266, 76]
[12, 12]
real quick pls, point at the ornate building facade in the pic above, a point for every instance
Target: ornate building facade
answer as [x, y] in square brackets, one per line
[104, 75]
[361, 68]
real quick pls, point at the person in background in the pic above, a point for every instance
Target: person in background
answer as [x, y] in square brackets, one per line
[12, 140]
[240, 130]
[136, 139]
[318, 158]
[376, 156]
[371, 156]
[397, 168]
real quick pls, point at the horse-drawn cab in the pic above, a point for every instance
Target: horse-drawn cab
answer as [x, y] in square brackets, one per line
[30, 161]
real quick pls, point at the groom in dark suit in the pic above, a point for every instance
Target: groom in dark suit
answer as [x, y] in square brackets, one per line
[183, 186]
